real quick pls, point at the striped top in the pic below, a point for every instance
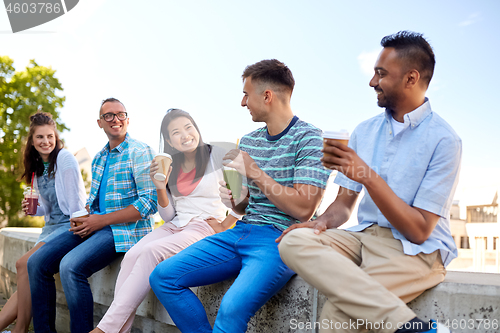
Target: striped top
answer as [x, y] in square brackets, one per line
[291, 157]
[128, 184]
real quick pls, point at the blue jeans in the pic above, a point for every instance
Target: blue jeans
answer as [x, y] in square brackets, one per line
[76, 259]
[246, 252]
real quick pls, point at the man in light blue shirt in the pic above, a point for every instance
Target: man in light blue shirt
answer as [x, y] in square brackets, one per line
[407, 160]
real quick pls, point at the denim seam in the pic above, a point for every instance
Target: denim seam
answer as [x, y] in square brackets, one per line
[201, 322]
[245, 235]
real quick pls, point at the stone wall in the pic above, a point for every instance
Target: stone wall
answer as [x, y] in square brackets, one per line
[467, 300]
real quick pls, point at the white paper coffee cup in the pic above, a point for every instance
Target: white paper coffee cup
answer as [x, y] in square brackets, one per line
[164, 160]
[80, 213]
[341, 135]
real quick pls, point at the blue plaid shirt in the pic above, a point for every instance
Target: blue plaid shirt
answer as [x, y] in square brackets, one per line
[128, 184]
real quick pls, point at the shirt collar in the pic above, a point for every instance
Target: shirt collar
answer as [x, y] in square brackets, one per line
[415, 117]
[121, 147]
[285, 131]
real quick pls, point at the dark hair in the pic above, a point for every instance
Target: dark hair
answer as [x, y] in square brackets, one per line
[110, 100]
[414, 50]
[31, 158]
[272, 72]
[202, 151]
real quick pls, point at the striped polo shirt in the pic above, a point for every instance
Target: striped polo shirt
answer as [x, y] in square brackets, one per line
[291, 157]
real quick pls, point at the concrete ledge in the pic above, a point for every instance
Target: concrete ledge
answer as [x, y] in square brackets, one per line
[462, 299]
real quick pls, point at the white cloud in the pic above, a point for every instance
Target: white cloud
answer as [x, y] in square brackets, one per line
[471, 19]
[367, 60]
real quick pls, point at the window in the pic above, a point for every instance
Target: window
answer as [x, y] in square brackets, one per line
[464, 242]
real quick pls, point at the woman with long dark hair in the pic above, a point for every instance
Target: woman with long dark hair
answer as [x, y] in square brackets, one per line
[188, 202]
[61, 193]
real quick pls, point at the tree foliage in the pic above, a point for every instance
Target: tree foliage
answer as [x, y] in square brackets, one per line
[21, 94]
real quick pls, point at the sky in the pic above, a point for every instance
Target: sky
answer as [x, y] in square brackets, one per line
[158, 54]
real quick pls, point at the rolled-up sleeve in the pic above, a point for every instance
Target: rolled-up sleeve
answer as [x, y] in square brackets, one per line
[146, 201]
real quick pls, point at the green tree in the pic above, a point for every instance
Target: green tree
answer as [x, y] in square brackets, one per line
[21, 94]
[86, 181]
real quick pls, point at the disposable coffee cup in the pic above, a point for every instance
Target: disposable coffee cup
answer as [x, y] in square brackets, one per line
[80, 213]
[32, 196]
[233, 181]
[164, 160]
[341, 136]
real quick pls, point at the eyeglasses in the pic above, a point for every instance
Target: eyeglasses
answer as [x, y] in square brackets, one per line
[109, 117]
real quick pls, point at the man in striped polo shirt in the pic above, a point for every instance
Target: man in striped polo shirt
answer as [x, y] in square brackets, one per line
[285, 185]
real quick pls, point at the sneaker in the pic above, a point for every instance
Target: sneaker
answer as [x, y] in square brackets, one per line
[438, 328]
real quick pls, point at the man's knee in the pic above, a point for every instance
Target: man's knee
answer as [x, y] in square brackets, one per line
[158, 280]
[154, 279]
[166, 275]
[67, 268]
[293, 241]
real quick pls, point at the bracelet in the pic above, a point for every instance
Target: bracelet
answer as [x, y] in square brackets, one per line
[235, 215]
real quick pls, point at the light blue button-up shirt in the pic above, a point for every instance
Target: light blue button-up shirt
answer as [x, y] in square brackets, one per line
[421, 165]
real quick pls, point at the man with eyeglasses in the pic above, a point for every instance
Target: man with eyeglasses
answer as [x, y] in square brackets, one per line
[121, 202]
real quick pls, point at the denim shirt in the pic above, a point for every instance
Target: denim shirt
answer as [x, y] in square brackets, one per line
[47, 188]
[420, 164]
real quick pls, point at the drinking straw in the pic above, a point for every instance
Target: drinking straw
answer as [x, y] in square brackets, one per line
[32, 178]
[237, 143]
